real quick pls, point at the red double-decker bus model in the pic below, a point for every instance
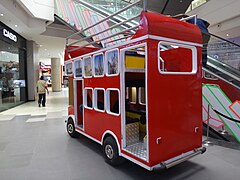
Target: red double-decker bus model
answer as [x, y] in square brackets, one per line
[141, 99]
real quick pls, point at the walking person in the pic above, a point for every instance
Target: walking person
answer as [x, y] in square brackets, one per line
[41, 90]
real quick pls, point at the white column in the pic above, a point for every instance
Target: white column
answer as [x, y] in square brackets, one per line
[56, 74]
[32, 69]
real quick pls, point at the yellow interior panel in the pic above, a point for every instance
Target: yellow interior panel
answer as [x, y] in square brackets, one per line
[134, 62]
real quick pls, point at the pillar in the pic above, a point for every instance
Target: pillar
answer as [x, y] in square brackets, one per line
[32, 69]
[56, 74]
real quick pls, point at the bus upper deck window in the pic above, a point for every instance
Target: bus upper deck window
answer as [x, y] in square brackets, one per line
[87, 67]
[112, 62]
[68, 68]
[98, 66]
[78, 68]
[174, 58]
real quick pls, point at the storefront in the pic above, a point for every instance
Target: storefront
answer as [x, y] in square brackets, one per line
[13, 85]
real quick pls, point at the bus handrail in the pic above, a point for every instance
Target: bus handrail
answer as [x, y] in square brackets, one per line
[161, 59]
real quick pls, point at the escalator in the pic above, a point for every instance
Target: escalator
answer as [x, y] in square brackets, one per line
[223, 66]
[219, 114]
[222, 77]
[224, 59]
[82, 14]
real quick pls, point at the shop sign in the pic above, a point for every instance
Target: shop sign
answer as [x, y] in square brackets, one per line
[9, 35]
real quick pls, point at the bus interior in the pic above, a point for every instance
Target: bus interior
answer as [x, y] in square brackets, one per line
[135, 102]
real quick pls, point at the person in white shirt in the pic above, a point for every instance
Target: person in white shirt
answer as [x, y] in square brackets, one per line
[41, 90]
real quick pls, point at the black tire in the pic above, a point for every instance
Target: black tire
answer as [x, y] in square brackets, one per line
[110, 151]
[71, 128]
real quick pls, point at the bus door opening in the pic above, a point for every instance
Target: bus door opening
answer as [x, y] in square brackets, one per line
[79, 102]
[135, 103]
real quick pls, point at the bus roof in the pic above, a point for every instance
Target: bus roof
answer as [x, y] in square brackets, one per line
[164, 26]
[151, 24]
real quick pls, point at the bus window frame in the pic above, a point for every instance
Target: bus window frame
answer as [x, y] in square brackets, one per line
[93, 65]
[74, 62]
[194, 57]
[65, 64]
[106, 63]
[107, 100]
[136, 101]
[85, 98]
[139, 96]
[96, 99]
[84, 74]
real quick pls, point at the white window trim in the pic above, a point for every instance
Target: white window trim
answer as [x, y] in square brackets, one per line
[96, 99]
[65, 64]
[107, 100]
[139, 96]
[84, 75]
[75, 61]
[194, 57]
[93, 69]
[106, 63]
[133, 102]
[85, 98]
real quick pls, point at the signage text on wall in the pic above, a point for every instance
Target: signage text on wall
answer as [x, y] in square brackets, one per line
[9, 35]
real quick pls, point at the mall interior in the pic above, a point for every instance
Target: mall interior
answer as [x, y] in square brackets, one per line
[51, 38]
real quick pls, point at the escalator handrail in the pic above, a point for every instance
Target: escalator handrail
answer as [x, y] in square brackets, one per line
[219, 77]
[222, 39]
[230, 68]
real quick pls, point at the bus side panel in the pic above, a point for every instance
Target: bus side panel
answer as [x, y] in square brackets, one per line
[174, 110]
[95, 122]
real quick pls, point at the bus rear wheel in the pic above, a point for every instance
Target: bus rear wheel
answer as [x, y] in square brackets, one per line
[110, 151]
[71, 128]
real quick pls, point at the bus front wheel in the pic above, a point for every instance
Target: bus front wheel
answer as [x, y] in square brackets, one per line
[110, 151]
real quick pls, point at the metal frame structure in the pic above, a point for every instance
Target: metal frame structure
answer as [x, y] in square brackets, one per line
[131, 29]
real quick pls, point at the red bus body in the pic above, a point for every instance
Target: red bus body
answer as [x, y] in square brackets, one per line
[173, 106]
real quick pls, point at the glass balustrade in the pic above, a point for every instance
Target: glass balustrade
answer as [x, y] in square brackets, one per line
[224, 52]
[83, 14]
[113, 6]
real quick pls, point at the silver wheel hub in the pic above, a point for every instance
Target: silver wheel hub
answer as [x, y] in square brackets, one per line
[109, 151]
[70, 128]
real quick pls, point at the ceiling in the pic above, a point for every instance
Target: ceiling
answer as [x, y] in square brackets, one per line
[168, 7]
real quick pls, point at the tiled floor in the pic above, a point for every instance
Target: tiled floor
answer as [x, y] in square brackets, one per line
[34, 145]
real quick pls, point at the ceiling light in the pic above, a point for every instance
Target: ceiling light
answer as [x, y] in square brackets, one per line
[45, 49]
[1, 14]
[16, 25]
[227, 34]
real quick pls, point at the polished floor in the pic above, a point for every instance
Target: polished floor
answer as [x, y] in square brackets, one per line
[34, 145]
